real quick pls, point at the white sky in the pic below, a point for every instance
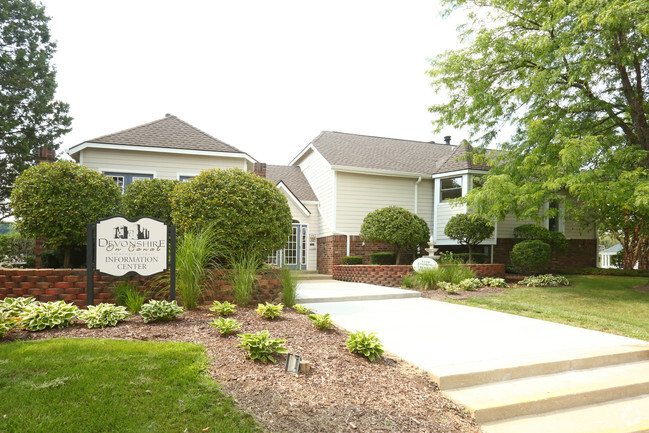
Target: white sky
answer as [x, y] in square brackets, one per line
[263, 76]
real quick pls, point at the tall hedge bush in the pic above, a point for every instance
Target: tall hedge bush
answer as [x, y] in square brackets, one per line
[248, 213]
[149, 197]
[57, 200]
[530, 257]
[396, 226]
[534, 232]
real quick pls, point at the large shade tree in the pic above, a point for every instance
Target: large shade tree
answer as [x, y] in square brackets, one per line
[569, 79]
[30, 117]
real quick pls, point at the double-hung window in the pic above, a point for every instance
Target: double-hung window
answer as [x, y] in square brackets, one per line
[124, 179]
[450, 188]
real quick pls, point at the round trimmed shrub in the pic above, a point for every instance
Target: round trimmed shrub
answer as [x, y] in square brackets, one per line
[149, 197]
[351, 260]
[530, 256]
[248, 213]
[534, 232]
[396, 226]
[383, 258]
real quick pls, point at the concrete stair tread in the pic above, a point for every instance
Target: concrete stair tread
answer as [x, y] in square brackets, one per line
[553, 391]
[468, 374]
[629, 415]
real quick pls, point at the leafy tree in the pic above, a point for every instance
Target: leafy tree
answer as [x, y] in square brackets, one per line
[569, 78]
[30, 118]
[396, 226]
[57, 200]
[149, 197]
[249, 214]
[469, 230]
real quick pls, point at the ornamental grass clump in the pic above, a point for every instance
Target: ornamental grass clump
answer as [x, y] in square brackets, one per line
[225, 326]
[160, 311]
[260, 346]
[103, 315]
[321, 321]
[365, 344]
[43, 315]
[269, 311]
[289, 287]
[223, 308]
[128, 295]
[243, 270]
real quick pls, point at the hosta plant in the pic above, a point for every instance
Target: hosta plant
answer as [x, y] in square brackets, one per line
[15, 306]
[225, 326]
[154, 311]
[103, 315]
[364, 344]
[42, 315]
[269, 311]
[301, 309]
[449, 287]
[7, 323]
[260, 346]
[494, 282]
[470, 284]
[547, 280]
[223, 308]
[321, 321]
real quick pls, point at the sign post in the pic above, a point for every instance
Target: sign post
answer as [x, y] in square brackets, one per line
[118, 246]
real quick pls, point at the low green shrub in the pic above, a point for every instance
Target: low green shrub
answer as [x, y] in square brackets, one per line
[408, 281]
[547, 280]
[364, 344]
[321, 321]
[289, 287]
[530, 256]
[127, 294]
[225, 326]
[383, 258]
[223, 308]
[448, 258]
[14, 307]
[301, 309]
[450, 288]
[42, 315]
[470, 284]
[156, 311]
[534, 232]
[428, 279]
[475, 257]
[260, 346]
[7, 323]
[269, 311]
[103, 315]
[351, 260]
[494, 282]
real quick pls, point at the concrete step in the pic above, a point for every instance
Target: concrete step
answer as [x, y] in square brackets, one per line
[311, 276]
[629, 415]
[540, 394]
[472, 374]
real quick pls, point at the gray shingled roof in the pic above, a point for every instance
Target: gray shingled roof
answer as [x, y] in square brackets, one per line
[459, 161]
[169, 132]
[352, 150]
[293, 178]
[379, 153]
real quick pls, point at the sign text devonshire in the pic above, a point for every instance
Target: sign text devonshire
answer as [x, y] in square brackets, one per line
[124, 246]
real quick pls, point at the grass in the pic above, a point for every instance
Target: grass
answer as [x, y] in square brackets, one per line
[244, 268]
[289, 286]
[69, 386]
[594, 302]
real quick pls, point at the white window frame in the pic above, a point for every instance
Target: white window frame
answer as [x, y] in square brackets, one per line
[461, 187]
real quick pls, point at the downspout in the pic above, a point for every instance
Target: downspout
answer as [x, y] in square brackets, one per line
[417, 195]
[334, 231]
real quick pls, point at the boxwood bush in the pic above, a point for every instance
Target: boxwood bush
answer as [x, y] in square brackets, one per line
[383, 258]
[149, 197]
[534, 232]
[530, 256]
[351, 260]
[248, 212]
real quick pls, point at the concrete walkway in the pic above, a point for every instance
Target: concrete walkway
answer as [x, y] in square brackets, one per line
[465, 348]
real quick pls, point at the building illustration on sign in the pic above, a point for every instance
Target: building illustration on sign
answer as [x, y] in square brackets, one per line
[135, 231]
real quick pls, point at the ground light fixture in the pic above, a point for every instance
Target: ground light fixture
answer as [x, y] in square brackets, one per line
[293, 363]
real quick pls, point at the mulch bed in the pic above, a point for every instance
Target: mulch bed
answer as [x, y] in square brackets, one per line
[342, 393]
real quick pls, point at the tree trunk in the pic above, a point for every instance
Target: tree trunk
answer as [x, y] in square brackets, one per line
[67, 252]
[470, 254]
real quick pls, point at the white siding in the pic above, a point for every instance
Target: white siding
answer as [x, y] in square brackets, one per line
[445, 211]
[313, 227]
[575, 231]
[321, 178]
[163, 165]
[571, 229]
[506, 227]
[359, 194]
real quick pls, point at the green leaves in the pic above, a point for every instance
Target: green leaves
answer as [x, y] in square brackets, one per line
[364, 344]
[260, 346]
[269, 311]
[396, 226]
[223, 308]
[37, 316]
[149, 197]
[321, 321]
[103, 315]
[225, 326]
[154, 311]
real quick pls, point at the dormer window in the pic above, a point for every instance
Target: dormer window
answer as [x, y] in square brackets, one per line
[450, 188]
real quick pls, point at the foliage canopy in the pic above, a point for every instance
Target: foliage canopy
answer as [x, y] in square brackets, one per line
[149, 197]
[469, 230]
[30, 117]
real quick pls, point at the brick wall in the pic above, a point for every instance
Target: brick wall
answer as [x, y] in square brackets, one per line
[581, 253]
[70, 285]
[332, 248]
[392, 275]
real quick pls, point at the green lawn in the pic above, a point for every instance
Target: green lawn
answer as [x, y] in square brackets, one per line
[595, 302]
[98, 386]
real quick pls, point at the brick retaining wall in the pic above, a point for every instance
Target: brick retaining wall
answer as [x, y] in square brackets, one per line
[392, 275]
[70, 285]
[581, 253]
